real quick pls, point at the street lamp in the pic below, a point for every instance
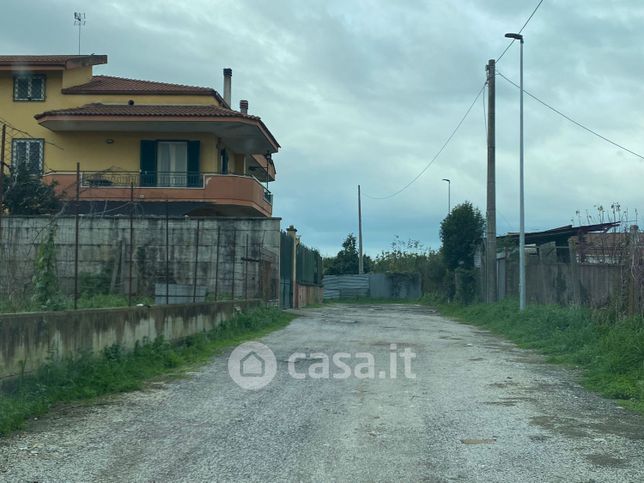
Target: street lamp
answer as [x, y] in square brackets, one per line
[449, 188]
[522, 290]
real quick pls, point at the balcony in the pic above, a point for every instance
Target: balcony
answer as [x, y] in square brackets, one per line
[126, 179]
[225, 194]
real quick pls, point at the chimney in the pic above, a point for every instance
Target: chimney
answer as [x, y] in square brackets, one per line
[228, 76]
[243, 106]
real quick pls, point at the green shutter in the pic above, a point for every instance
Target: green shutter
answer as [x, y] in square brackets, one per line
[224, 161]
[194, 178]
[148, 175]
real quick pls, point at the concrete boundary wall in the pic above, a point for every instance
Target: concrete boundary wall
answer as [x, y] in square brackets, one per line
[231, 257]
[28, 340]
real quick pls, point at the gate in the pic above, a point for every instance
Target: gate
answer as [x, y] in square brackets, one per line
[286, 266]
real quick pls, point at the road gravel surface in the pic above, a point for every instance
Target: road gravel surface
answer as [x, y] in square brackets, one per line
[476, 409]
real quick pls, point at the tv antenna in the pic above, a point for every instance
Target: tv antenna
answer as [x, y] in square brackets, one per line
[79, 19]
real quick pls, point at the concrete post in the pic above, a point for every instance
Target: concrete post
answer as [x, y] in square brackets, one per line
[292, 232]
[490, 248]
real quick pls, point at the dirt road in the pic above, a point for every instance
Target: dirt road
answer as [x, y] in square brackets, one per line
[478, 409]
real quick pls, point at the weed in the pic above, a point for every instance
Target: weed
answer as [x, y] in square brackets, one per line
[609, 350]
[87, 376]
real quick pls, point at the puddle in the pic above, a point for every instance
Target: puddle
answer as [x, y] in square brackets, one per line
[478, 441]
[606, 460]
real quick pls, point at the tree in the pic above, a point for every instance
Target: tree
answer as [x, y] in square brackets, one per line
[461, 232]
[413, 257]
[26, 194]
[346, 261]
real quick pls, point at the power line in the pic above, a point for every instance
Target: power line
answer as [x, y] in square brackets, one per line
[568, 118]
[524, 25]
[449, 138]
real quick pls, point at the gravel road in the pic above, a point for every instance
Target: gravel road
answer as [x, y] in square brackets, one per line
[478, 409]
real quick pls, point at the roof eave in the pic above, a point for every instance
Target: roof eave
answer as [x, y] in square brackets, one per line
[71, 63]
[45, 117]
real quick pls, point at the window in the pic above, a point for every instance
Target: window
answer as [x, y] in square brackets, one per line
[29, 88]
[223, 156]
[29, 153]
[172, 163]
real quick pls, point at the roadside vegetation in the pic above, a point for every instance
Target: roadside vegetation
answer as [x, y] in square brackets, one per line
[88, 376]
[607, 347]
[448, 272]
[96, 301]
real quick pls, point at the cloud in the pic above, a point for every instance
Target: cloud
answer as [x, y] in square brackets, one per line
[366, 92]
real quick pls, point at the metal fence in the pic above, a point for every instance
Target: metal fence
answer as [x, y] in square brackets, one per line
[308, 269]
[138, 257]
[375, 285]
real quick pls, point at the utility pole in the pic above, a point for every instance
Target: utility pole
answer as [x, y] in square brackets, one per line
[490, 249]
[360, 260]
[522, 260]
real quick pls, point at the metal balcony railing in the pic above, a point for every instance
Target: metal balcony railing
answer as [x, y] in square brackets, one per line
[121, 179]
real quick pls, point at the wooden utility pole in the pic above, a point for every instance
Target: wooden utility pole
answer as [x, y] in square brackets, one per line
[490, 249]
[360, 257]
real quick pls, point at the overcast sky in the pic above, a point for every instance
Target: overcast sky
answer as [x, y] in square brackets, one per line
[366, 92]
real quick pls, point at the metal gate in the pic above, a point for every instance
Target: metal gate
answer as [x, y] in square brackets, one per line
[286, 267]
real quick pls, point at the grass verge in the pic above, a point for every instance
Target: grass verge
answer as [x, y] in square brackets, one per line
[609, 350]
[89, 376]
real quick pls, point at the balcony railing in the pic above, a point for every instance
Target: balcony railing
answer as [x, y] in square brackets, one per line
[125, 179]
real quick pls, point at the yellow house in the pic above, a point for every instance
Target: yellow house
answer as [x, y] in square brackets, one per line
[134, 139]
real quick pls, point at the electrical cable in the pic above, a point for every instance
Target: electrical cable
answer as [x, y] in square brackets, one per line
[449, 138]
[524, 25]
[568, 118]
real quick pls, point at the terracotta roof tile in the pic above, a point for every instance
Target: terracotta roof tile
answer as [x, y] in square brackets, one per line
[147, 110]
[102, 84]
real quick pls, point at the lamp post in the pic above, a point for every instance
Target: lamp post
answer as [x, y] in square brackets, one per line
[449, 189]
[522, 301]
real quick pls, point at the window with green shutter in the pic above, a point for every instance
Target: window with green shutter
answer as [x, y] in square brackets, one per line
[170, 163]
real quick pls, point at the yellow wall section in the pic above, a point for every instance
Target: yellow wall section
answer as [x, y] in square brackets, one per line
[91, 150]
[64, 149]
[75, 77]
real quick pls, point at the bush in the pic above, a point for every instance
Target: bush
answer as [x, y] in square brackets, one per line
[114, 370]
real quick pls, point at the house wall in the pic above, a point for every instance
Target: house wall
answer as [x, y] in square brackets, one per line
[64, 149]
[30, 340]
[94, 154]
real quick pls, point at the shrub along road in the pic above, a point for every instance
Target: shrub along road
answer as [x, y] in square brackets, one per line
[478, 409]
